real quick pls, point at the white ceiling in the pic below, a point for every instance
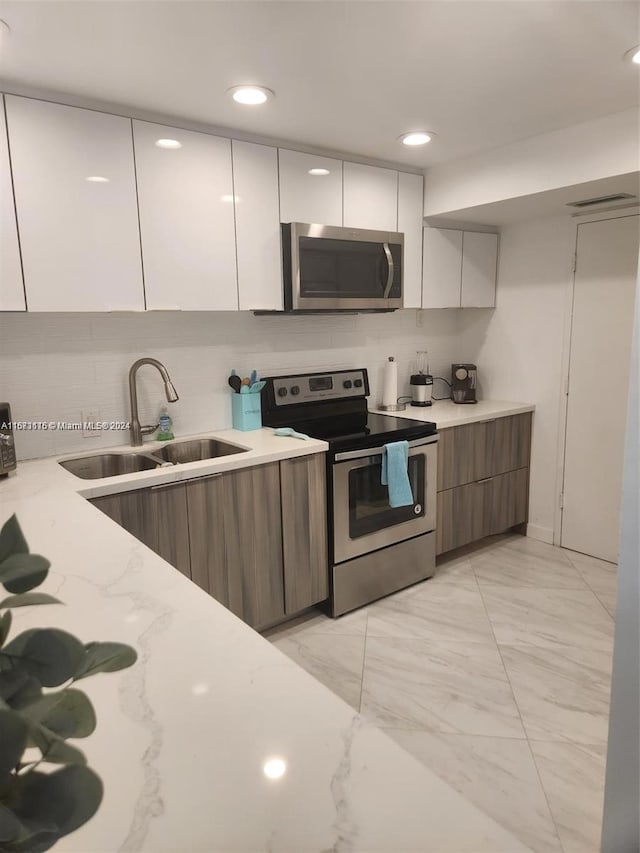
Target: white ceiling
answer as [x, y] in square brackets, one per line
[348, 76]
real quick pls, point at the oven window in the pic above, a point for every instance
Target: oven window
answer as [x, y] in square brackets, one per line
[344, 269]
[369, 508]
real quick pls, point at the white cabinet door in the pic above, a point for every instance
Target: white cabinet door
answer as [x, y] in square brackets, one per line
[441, 268]
[479, 264]
[75, 192]
[11, 285]
[410, 190]
[255, 179]
[370, 197]
[309, 197]
[185, 195]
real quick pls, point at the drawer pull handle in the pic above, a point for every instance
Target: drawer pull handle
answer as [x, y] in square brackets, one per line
[485, 480]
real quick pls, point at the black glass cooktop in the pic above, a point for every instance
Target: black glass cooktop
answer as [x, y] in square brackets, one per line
[366, 430]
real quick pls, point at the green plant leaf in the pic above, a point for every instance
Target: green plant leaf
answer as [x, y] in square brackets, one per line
[27, 599]
[13, 738]
[26, 694]
[48, 654]
[22, 572]
[67, 713]
[12, 540]
[67, 798]
[53, 748]
[5, 627]
[11, 680]
[105, 657]
[10, 826]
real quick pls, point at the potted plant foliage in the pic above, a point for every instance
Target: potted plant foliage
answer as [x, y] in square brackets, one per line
[46, 788]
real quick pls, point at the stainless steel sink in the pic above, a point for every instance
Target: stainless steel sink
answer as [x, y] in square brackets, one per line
[110, 465]
[195, 450]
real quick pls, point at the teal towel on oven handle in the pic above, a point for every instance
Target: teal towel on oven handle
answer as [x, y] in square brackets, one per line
[395, 473]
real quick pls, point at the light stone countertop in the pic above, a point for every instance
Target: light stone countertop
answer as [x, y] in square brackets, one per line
[183, 735]
[446, 413]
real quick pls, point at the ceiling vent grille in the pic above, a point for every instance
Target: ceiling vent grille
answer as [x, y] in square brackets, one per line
[603, 199]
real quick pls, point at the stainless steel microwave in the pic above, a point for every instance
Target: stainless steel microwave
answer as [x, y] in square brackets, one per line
[327, 268]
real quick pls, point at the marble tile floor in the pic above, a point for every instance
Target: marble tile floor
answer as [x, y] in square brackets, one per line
[495, 673]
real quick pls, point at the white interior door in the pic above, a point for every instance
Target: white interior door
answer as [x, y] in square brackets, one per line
[603, 302]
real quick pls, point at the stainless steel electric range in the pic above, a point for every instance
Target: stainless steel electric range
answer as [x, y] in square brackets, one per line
[374, 549]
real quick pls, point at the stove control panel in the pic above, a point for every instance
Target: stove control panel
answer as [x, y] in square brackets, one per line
[315, 387]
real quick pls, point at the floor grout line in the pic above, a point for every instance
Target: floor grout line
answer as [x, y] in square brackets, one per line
[364, 660]
[524, 728]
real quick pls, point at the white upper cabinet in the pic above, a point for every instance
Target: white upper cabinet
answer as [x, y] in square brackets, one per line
[255, 177]
[441, 268]
[186, 200]
[75, 192]
[459, 268]
[410, 191]
[370, 197]
[310, 188]
[479, 264]
[11, 286]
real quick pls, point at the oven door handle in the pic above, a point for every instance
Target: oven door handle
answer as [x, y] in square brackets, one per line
[377, 451]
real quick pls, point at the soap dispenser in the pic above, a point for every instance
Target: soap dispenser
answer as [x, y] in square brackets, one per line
[164, 430]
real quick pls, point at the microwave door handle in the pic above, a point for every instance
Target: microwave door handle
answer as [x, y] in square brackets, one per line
[387, 252]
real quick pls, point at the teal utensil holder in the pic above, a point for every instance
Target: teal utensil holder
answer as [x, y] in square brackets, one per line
[246, 411]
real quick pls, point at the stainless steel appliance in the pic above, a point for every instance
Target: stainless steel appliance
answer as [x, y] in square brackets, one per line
[374, 549]
[327, 268]
[464, 381]
[422, 381]
[7, 445]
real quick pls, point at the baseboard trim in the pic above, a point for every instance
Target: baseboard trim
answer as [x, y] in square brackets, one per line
[543, 534]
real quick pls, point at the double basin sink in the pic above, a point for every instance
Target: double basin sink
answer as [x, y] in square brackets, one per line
[176, 453]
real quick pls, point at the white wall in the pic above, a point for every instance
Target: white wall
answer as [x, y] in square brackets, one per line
[55, 366]
[574, 155]
[621, 822]
[518, 347]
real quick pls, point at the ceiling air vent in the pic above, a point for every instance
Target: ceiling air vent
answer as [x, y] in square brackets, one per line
[588, 202]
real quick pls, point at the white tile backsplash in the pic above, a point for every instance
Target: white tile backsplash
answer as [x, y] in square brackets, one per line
[55, 366]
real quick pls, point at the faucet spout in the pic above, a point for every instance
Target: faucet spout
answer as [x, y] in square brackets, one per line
[136, 431]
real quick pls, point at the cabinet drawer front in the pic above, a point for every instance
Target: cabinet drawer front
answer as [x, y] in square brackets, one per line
[461, 455]
[470, 512]
[508, 444]
[505, 500]
[460, 517]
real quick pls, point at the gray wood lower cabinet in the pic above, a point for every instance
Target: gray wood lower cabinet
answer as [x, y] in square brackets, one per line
[483, 479]
[255, 538]
[304, 526]
[156, 516]
[470, 512]
[235, 532]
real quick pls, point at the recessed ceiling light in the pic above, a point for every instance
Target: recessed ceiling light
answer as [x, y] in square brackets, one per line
[251, 95]
[168, 143]
[319, 172]
[97, 179]
[416, 137]
[633, 55]
[274, 768]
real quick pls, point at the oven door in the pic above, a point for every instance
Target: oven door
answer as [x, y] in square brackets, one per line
[339, 268]
[363, 521]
